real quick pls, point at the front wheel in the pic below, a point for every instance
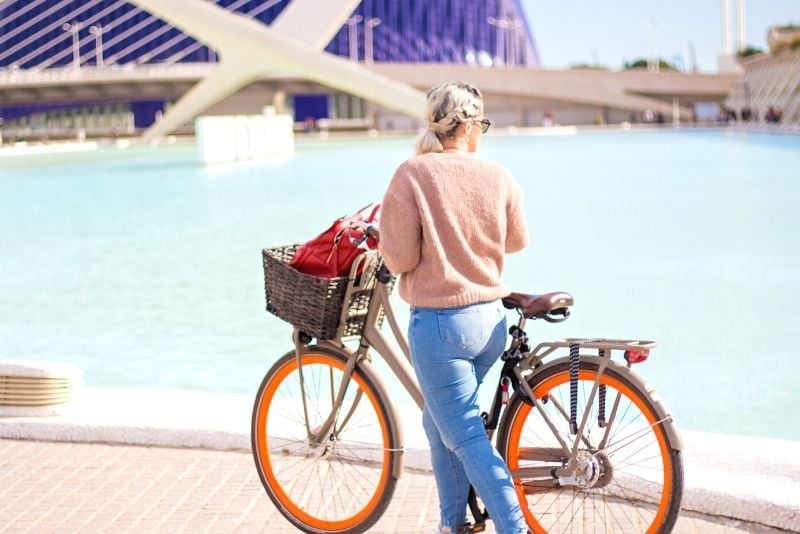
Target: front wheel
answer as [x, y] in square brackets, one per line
[631, 483]
[343, 482]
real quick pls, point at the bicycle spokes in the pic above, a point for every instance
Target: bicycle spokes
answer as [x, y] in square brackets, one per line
[336, 479]
[618, 475]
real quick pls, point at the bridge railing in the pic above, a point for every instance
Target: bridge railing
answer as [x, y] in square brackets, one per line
[171, 72]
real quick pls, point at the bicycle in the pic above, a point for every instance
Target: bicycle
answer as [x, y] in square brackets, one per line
[588, 443]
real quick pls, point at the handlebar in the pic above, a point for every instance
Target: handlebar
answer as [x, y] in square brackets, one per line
[367, 231]
[384, 276]
[371, 231]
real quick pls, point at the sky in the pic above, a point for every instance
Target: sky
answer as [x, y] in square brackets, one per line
[611, 32]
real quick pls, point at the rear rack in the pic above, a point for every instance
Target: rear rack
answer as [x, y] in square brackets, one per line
[546, 348]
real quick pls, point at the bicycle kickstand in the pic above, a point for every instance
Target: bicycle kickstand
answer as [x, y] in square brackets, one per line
[480, 516]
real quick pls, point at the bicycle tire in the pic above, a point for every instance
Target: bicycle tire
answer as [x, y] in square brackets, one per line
[641, 484]
[344, 484]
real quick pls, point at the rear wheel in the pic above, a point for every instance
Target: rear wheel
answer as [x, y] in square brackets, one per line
[632, 483]
[344, 482]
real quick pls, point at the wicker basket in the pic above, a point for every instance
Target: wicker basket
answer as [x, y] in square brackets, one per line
[312, 304]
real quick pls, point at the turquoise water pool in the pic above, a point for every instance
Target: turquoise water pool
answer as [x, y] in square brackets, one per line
[144, 268]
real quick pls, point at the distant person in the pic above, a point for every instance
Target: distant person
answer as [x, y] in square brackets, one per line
[548, 119]
[772, 115]
[448, 220]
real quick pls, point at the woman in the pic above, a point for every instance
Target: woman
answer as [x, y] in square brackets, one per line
[447, 221]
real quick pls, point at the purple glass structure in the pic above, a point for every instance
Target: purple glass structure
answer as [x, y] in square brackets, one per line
[480, 32]
[42, 34]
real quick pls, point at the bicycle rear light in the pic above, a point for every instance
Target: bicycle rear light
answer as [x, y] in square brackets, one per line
[636, 355]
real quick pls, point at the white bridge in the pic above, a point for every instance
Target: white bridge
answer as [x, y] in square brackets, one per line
[287, 57]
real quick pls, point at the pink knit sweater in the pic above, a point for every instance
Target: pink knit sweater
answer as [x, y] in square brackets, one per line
[447, 221]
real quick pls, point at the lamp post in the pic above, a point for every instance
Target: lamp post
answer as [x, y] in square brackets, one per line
[726, 40]
[513, 38]
[651, 28]
[500, 24]
[745, 113]
[352, 22]
[369, 24]
[741, 38]
[97, 31]
[74, 28]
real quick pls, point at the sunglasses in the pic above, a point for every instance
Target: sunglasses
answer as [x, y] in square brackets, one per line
[485, 123]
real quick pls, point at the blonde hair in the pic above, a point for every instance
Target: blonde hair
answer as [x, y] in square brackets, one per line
[449, 105]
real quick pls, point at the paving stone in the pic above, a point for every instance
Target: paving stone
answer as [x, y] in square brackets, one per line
[81, 487]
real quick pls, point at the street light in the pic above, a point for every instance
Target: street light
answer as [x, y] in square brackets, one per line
[652, 28]
[508, 40]
[74, 28]
[352, 22]
[513, 38]
[97, 31]
[369, 24]
[500, 24]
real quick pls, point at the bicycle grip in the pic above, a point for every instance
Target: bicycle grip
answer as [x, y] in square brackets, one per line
[384, 276]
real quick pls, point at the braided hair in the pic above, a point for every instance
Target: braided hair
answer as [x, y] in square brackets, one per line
[449, 105]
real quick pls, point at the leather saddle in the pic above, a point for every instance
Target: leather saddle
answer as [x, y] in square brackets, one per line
[539, 306]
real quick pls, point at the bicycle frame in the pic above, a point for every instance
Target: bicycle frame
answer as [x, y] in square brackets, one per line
[516, 370]
[372, 336]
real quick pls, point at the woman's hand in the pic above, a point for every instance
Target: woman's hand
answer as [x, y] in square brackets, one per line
[374, 232]
[361, 232]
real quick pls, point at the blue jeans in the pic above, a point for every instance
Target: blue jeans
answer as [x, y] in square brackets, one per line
[452, 350]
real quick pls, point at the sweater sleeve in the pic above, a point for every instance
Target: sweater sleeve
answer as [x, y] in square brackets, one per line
[400, 227]
[517, 226]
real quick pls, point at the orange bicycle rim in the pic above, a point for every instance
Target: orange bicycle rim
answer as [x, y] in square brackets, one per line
[561, 378]
[262, 441]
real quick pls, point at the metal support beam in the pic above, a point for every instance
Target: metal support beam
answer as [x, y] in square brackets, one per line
[250, 50]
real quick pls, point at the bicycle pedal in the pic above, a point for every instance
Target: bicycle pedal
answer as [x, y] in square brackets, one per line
[469, 528]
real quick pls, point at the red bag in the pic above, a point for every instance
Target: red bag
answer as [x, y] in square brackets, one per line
[331, 253]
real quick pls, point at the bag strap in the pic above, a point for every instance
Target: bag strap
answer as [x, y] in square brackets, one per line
[364, 208]
[338, 237]
[374, 212]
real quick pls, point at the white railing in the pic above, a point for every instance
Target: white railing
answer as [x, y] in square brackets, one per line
[177, 71]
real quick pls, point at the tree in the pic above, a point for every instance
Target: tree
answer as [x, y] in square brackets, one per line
[587, 66]
[642, 63]
[749, 50]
